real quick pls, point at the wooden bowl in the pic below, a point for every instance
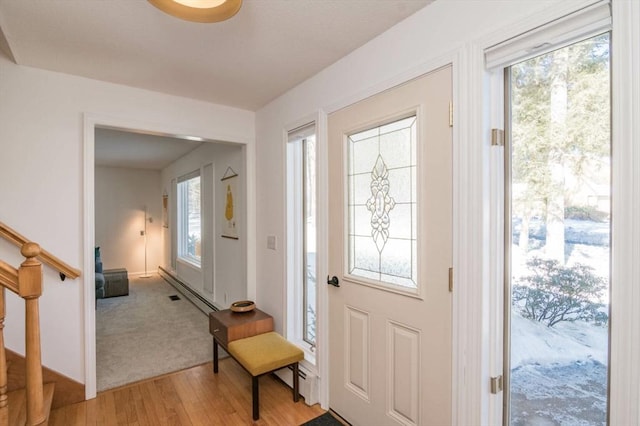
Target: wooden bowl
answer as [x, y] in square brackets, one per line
[243, 306]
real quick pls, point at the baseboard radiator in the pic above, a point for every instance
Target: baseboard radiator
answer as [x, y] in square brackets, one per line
[203, 304]
[308, 382]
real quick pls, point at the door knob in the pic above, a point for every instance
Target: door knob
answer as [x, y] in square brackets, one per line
[333, 281]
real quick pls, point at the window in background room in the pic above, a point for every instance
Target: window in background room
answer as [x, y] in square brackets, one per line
[301, 234]
[189, 218]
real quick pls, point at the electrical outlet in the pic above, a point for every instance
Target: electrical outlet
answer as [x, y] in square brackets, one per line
[225, 298]
[142, 233]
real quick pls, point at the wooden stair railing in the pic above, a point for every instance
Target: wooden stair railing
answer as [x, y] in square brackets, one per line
[14, 237]
[26, 282]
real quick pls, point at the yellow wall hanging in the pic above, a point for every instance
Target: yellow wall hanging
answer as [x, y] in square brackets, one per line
[230, 216]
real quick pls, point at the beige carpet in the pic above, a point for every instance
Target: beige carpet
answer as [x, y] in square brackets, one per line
[146, 334]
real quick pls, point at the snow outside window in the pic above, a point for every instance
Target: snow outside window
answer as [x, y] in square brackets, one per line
[189, 218]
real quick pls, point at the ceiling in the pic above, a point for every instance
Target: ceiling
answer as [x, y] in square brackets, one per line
[269, 47]
[117, 148]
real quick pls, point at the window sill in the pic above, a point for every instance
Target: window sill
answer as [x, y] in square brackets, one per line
[309, 355]
[189, 263]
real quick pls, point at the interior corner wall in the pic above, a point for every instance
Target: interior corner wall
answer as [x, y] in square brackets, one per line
[41, 184]
[226, 262]
[121, 195]
[442, 28]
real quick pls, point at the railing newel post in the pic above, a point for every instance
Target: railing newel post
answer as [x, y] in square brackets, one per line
[26, 281]
[30, 286]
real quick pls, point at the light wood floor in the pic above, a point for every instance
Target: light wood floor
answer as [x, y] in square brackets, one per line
[194, 396]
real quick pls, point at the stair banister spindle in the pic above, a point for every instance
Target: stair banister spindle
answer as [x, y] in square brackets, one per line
[30, 281]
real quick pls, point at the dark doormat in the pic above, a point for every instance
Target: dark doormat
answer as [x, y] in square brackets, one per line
[325, 419]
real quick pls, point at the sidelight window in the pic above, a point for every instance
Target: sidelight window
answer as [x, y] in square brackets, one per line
[301, 232]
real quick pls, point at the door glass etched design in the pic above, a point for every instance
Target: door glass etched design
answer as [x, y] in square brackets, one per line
[381, 175]
[380, 204]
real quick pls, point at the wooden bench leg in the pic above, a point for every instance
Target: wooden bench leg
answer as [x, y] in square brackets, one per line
[215, 356]
[256, 397]
[296, 389]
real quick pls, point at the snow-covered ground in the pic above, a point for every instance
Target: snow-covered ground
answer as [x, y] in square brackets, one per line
[559, 374]
[533, 342]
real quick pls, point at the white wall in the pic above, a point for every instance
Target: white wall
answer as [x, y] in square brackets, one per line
[440, 29]
[41, 153]
[41, 183]
[121, 195]
[445, 31]
[227, 263]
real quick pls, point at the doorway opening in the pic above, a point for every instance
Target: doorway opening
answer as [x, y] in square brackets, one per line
[235, 154]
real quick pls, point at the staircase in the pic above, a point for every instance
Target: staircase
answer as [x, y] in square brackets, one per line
[31, 405]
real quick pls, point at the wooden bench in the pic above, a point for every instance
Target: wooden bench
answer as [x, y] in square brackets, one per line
[263, 354]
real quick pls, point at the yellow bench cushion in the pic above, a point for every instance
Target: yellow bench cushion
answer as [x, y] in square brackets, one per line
[266, 352]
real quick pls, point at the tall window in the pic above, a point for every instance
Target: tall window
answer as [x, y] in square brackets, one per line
[301, 231]
[189, 218]
[559, 227]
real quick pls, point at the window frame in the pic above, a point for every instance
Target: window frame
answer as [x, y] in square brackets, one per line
[414, 290]
[548, 34]
[297, 141]
[305, 239]
[507, 202]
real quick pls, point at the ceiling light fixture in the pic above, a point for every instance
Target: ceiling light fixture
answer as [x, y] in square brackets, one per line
[199, 10]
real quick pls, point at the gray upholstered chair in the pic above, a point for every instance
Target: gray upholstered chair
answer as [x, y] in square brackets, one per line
[99, 276]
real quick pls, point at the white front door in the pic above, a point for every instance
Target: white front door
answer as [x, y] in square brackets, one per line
[390, 249]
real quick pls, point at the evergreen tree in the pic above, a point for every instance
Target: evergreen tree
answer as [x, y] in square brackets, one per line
[561, 118]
